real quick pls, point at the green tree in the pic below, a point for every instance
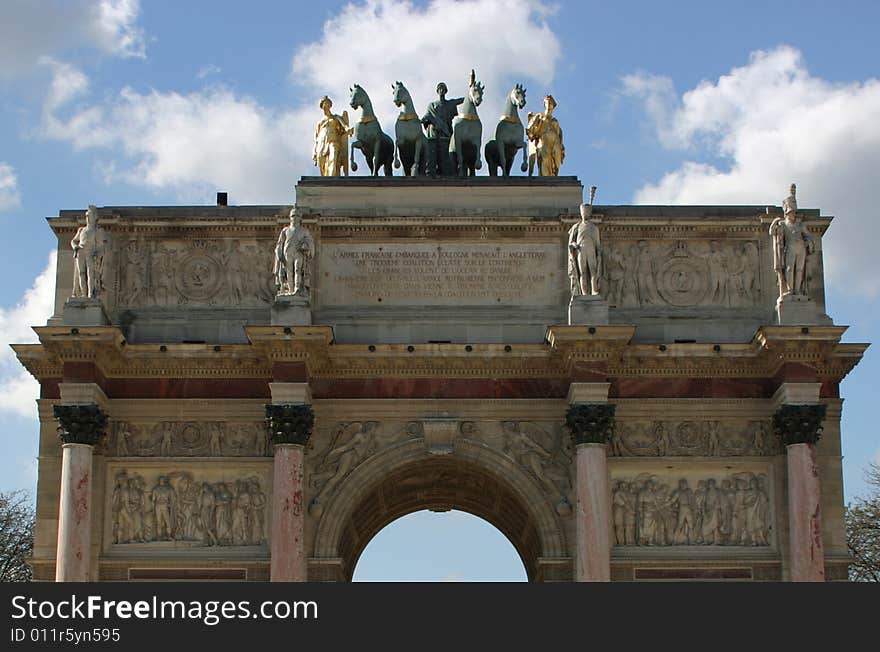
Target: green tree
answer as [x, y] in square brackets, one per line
[863, 531]
[16, 536]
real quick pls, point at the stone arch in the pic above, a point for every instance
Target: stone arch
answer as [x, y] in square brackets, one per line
[406, 478]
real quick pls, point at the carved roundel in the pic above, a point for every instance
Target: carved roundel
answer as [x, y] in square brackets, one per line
[198, 276]
[191, 436]
[682, 282]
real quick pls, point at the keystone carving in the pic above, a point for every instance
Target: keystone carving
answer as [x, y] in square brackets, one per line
[590, 423]
[799, 424]
[289, 423]
[80, 424]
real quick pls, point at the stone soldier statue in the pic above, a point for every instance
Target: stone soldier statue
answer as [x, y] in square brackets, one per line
[438, 130]
[89, 246]
[792, 243]
[293, 253]
[584, 253]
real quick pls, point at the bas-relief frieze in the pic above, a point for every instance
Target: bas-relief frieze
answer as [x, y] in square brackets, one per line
[722, 508]
[643, 273]
[192, 508]
[692, 438]
[186, 439]
[171, 273]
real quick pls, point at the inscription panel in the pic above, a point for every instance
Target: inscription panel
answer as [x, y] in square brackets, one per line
[471, 274]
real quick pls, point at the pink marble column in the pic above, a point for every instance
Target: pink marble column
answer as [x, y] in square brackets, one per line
[288, 554]
[593, 555]
[804, 515]
[74, 516]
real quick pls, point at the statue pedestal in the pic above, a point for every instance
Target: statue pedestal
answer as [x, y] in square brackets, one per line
[799, 310]
[80, 311]
[291, 310]
[588, 310]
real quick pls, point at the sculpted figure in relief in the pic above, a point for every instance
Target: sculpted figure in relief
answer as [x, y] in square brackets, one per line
[353, 443]
[164, 500]
[792, 243]
[293, 253]
[645, 275]
[584, 253]
[89, 247]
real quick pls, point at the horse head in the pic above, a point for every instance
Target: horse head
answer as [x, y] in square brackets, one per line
[475, 92]
[518, 96]
[399, 93]
[358, 96]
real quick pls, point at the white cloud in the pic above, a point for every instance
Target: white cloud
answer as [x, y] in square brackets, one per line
[193, 144]
[114, 23]
[377, 42]
[18, 389]
[33, 29]
[10, 197]
[214, 139]
[774, 123]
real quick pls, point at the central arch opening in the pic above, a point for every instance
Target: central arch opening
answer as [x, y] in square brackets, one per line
[451, 546]
[453, 491]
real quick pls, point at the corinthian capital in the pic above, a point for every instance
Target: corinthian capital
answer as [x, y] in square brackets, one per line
[590, 423]
[289, 423]
[799, 424]
[80, 424]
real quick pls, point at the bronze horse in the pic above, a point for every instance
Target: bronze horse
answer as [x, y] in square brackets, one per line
[377, 146]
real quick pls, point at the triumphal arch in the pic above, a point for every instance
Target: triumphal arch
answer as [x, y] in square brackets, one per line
[626, 392]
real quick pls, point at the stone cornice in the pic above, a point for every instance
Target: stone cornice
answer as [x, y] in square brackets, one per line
[566, 347]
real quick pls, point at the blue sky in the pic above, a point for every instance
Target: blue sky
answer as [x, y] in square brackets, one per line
[126, 102]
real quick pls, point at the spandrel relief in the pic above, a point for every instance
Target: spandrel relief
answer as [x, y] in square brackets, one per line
[681, 273]
[691, 438]
[201, 272]
[188, 508]
[187, 439]
[350, 444]
[697, 509]
[545, 455]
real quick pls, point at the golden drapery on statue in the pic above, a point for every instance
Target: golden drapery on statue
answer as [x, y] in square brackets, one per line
[331, 141]
[545, 139]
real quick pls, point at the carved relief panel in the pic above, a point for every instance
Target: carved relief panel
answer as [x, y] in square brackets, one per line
[723, 507]
[681, 273]
[186, 439]
[208, 272]
[692, 438]
[192, 507]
